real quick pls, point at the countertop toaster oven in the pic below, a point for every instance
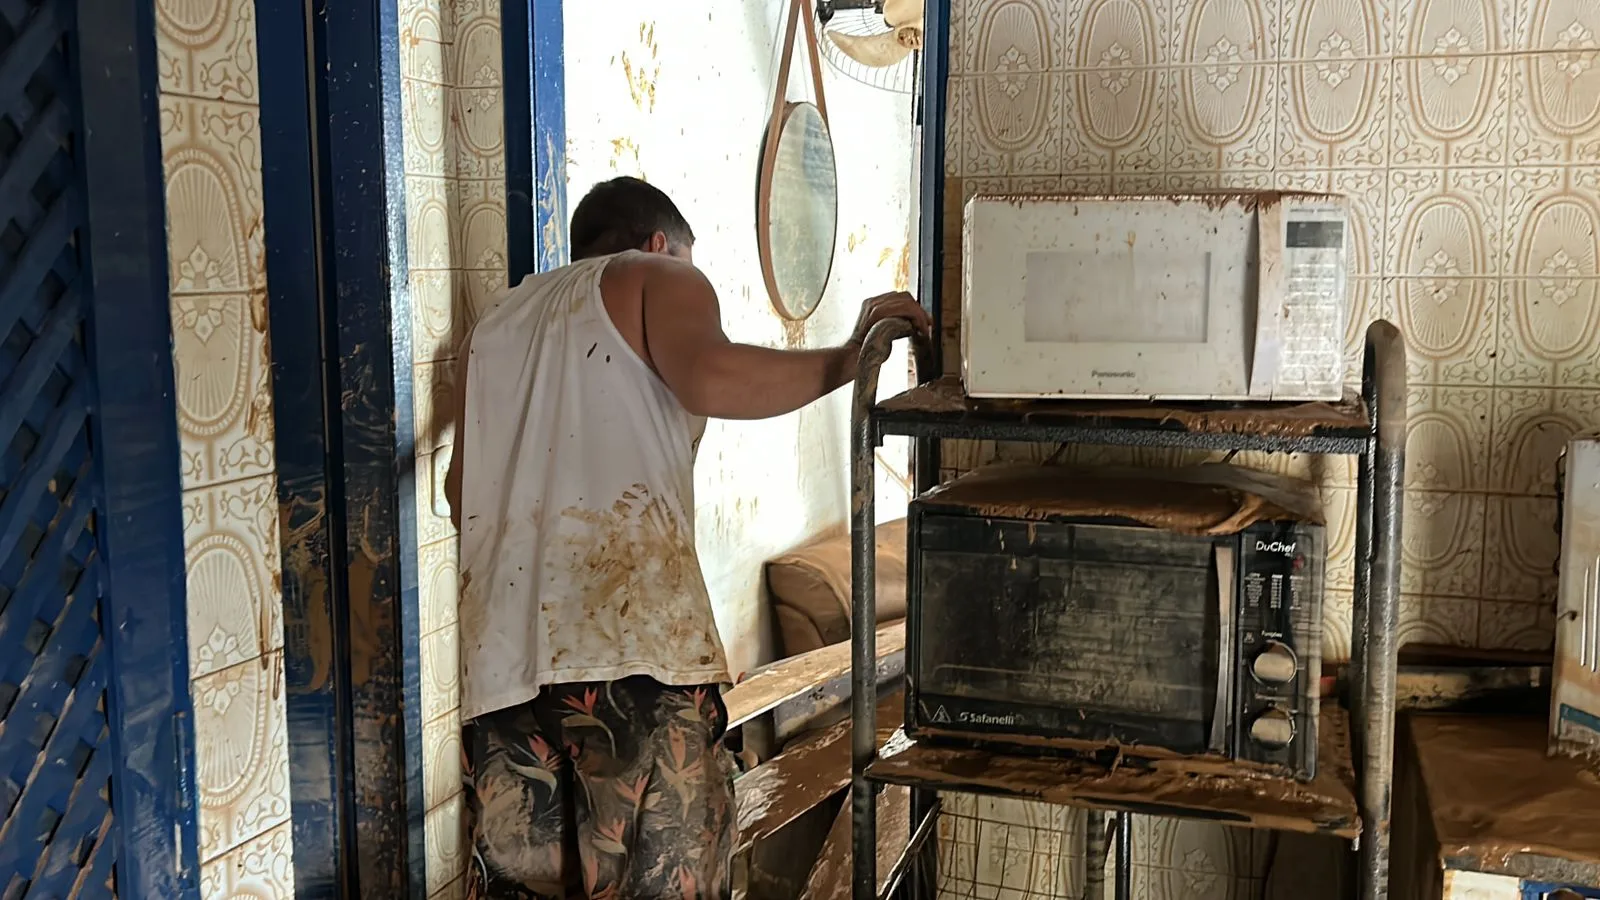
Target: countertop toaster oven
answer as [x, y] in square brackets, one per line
[1163, 613]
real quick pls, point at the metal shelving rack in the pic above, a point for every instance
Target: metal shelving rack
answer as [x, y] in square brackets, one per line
[1371, 428]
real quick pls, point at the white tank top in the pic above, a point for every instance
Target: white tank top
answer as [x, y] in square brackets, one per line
[577, 520]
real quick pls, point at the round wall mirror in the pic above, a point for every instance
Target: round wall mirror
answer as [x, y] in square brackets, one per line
[797, 210]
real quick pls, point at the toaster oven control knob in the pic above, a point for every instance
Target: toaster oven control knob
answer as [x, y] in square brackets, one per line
[1275, 664]
[1273, 728]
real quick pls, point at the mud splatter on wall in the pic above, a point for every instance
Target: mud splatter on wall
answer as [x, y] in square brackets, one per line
[684, 100]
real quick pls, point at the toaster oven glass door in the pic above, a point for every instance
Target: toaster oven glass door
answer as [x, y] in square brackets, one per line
[1093, 633]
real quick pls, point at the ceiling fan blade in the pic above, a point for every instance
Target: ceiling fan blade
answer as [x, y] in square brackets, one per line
[877, 50]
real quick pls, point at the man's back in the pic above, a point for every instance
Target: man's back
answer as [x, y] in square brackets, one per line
[577, 527]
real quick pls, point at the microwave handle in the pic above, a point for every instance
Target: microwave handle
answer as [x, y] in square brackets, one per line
[1224, 559]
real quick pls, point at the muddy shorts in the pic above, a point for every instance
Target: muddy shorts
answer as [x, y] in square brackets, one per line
[614, 790]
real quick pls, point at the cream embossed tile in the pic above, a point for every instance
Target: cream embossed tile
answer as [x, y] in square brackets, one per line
[433, 508]
[1555, 107]
[1222, 116]
[1337, 609]
[1329, 32]
[429, 231]
[439, 588]
[441, 754]
[211, 155]
[433, 388]
[1447, 438]
[1530, 428]
[1333, 110]
[441, 674]
[1549, 329]
[423, 40]
[207, 49]
[1451, 110]
[480, 223]
[1441, 543]
[446, 844]
[1121, 116]
[1522, 550]
[438, 321]
[1013, 35]
[233, 565]
[259, 869]
[1516, 626]
[426, 110]
[241, 753]
[1447, 621]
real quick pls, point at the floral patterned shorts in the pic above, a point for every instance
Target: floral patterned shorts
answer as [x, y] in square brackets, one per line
[612, 790]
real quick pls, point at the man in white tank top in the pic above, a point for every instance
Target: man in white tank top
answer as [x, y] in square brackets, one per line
[591, 668]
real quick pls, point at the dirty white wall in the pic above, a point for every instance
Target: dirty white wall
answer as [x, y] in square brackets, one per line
[210, 130]
[682, 100]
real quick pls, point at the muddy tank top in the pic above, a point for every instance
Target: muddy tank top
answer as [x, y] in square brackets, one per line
[577, 520]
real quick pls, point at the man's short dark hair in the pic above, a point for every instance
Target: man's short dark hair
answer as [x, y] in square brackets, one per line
[623, 214]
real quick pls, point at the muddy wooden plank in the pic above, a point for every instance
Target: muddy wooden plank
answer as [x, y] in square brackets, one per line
[1499, 803]
[830, 878]
[779, 790]
[1216, 790]
[789, 678]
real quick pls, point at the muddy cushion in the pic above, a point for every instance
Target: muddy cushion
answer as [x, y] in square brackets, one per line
[810, 588]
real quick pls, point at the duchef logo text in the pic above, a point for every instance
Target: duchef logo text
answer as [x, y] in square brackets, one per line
[1275, 547]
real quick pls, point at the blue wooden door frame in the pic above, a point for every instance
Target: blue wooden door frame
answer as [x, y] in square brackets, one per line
[340, 327]
[138, 529]
[535, 82]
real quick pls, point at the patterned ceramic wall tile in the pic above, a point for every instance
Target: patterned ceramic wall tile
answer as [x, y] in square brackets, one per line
[427, 108]
[423, 41]
[210, 145]
[433, 386]
[213, 171]
[241, 753]
[232, 552]
[441, 690]
[438, 590]
[479, 221]
[259, 869]
[1466, 134]
[207, 49]
[441, 754]
[433, 511]
[446, 858]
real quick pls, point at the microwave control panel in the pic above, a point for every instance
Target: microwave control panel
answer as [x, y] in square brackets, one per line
[1278, 645]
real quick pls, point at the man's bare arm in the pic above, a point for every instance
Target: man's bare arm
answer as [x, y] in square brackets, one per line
[715, 377]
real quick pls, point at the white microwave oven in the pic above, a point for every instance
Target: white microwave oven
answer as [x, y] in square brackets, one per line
[1228, 296]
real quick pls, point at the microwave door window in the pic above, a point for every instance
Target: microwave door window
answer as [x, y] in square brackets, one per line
[1117, 295]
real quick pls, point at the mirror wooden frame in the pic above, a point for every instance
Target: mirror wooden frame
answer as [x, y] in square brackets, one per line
[782, 109]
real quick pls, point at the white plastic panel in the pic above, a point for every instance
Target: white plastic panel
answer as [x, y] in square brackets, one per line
[1575, 692]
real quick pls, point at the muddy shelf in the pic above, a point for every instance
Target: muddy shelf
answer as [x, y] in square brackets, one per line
[1352, 796]
[939, 409]
[1220, 791]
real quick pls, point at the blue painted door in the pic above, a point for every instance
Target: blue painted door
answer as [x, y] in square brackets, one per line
[69, 736]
